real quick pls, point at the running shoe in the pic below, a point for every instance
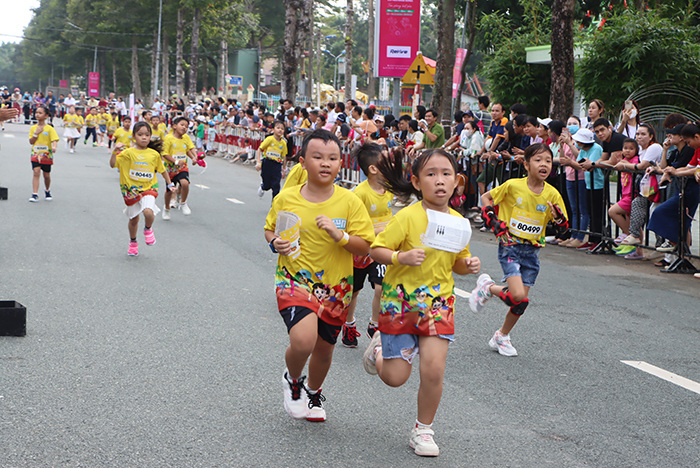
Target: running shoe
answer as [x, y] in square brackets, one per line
[501, 343]
[350, 336]
[34, 198]
[48, 196]
[584, 246]
[421, 441]
[261, 192]
[133, 249]
[150, 237]
[316, 413]
[72, 150]
[371, 330]
[94, 145]
[696, 275]
[166, 214]
[295, 399]
[631, 240]
[481, 293]
[666, 247]
[185, 209]
[369, 359]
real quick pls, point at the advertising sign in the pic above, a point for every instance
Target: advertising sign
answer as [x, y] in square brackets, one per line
[62, 83]
[457, 73]
[94, 84]
[396, 36]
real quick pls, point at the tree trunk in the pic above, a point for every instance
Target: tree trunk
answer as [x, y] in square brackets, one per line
[371, 82]
[154, 61]
[471, 26]
[319, 58]
[205, 76]
[135, 79]
[179, 42]
[298, 14]
[221, 80]
[310, 76]
[349, 17]
[194, 60]
[114, 73]
[442, 90]
[166, 66]
[102, 68]
[561, 100]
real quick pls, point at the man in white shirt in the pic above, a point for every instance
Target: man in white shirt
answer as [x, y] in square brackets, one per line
[69, 101]
[158, 107]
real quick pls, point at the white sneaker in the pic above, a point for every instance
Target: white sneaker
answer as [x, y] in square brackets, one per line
[368, 358]
[72, 150]
[315, 413]
[501, 343]
[166, 214]
[261, 192]
[422, 442]
[185, 209]
[481, 293]
[295, 399]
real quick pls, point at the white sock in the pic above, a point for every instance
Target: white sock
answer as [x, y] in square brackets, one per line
[372, 322]
[350, 324]
[312, 392]
[421, 425]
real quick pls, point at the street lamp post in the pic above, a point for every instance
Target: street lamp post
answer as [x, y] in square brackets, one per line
[335, 70]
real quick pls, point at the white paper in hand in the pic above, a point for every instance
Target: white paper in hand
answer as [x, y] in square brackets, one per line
[446, 232]
[287, 228]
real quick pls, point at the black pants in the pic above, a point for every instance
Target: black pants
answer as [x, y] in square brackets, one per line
[271, 173]
[91, 131]
[27, 110]
[596, 208]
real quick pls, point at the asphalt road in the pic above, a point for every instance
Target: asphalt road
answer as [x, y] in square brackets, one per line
[175, 358]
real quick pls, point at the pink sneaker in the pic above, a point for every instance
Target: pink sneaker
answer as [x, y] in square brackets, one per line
[150, 237]
[133, 249]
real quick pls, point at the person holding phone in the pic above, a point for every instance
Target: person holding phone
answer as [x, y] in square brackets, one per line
[629, 122]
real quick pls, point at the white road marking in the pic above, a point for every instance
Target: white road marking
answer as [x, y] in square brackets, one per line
[201, 186]
[665, 375]
[8, 135]
[462, 293]
[235, 200]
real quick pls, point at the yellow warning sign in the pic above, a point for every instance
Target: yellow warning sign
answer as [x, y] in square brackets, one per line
[418, 72]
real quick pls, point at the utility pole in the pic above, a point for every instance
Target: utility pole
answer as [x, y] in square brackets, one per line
[160, 20]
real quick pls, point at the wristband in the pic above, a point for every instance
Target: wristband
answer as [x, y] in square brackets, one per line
[395, 258]
[344, 240]
[171, 185]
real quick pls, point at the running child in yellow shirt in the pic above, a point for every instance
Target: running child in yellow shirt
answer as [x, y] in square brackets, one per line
[91, 120]
[417, 305]
[123, 134]
[112, 125]
[377, 202]
[44, 141]
[313, 280]
[525, 206]
[176, 148]
[139, 186]
[273, 152]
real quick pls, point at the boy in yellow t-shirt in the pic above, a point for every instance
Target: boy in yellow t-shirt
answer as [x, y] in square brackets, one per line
[274, 153]
[91, 126]
[123, 134]
[157, 131]
[103, 119]
[176, 148]
[313, 281]
[112, 125]
[44, 141]
[296, 176]
[377, 202]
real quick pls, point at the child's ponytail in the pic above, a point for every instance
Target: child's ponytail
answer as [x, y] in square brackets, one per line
[395, 180]
[156, 145]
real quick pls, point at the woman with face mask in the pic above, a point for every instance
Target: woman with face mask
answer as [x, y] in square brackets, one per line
[629, 121]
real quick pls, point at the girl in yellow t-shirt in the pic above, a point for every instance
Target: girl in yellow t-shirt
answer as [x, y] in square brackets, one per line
[72, 124]
[417, 305]
[139, 186]
[44, 141]
[525, 206]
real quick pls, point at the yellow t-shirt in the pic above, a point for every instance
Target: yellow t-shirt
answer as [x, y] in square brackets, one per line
[103, 119]
[525, 212]
[71, 120]
[163, 128]
[124, 136]
[178, 149]
[417, 300]
[137, 173]
[321, 277]
[91, 120]
[112, 125]
[296, 176]
[378, 205]
[80, 121]
[274, 149]
[157, 133]
[41, 149]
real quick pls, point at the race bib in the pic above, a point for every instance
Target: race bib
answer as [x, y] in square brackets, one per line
[140, 175]
[180, 156]
[526, 225]
[41, 149]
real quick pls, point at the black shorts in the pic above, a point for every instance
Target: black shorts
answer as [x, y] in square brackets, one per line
[184, 175]
[293, 315]
[374, 272]
[44, 167]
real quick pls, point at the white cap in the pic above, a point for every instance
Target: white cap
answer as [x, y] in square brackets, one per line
[584, 136]
[544, 122]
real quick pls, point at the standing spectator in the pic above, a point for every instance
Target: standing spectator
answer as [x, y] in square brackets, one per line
[629, 123]
[596, 110]
[433, 129]
[27, 106]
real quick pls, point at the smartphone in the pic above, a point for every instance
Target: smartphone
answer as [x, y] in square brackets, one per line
[628, 105]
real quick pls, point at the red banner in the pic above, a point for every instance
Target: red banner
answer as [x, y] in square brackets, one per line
[397, 36]
[62, 83]
[457, 72]
[94, 84]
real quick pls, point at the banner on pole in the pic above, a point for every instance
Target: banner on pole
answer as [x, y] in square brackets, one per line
[94, 84]
[132, 111]
[396, 36]
[457, 73]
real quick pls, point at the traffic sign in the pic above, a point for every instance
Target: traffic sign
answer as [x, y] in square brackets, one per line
[418, 72]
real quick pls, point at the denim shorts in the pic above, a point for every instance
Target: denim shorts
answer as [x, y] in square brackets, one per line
[520, 260]
[404, 346]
